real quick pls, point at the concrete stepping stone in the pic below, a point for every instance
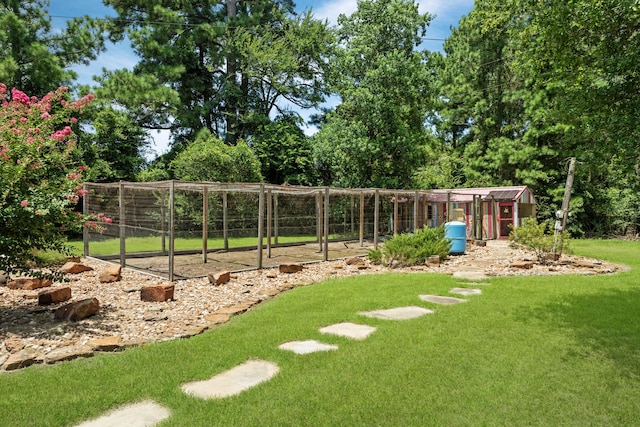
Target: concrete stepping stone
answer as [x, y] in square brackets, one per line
[142, 414]
[399, 313]
[437, 299]
[306, 347]
[234, 381]
[349, 330]
[465, 291]
[470, 275]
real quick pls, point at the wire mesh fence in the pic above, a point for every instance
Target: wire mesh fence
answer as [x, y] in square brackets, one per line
[178, 229]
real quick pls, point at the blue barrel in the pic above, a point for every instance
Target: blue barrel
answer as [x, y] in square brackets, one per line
[456, 231]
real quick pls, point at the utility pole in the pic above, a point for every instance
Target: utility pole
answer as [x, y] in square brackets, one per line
[563, 214]
[567, 192]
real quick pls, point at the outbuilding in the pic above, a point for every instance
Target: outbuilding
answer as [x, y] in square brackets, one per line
[489, 212]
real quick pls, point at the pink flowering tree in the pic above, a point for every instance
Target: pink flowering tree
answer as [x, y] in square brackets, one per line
[40, 178]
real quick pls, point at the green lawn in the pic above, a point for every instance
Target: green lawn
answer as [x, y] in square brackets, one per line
[111, 246]
[544, 351]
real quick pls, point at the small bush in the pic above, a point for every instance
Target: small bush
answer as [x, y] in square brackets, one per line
[539, 239]
[414, 248]
[375, 256]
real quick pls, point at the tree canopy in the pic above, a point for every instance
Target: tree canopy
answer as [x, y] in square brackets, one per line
[520, 87]
[36, 58]
[373, 137]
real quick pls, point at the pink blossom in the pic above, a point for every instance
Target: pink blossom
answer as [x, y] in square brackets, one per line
[82, 168]
[107, 220]
[73, 176]
[74, 120]
[20, 96]
[23, 119]
[101, 215]
[45, 115]
[82, 193]
[24, 203]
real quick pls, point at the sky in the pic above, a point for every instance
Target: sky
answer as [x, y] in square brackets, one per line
[446, 14]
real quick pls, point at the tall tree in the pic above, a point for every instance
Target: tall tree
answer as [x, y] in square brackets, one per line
[528, 83]
[483, 111]
[218, 65]
[36, 58]
[115, 148]
[373, 137]
[284, 151]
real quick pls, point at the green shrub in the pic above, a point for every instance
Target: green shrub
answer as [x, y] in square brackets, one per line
[375, 256]
[539, 239]
[412, 248]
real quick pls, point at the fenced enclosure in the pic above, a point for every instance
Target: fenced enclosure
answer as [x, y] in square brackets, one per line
[177, 229]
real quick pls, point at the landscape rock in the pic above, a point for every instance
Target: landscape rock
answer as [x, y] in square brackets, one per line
[522, 264]
[4, 277]
[68, 353]
[21, 359]
[158, 293]
[106, 344]
[13, 345]
[583, 264]
[433, 261]
[110, 273]
[52, 296]
[78, 310]
[215, 319]
[290, 268]
[272, 275]
[236, 309]
[29, 283]
[355, 261]
[219, 277]
[74, 268]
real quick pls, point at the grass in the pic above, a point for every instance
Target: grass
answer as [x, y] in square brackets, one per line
[555, 350]
[110, 246]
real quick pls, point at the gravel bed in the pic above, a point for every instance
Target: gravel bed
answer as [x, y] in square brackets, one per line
[30, 331]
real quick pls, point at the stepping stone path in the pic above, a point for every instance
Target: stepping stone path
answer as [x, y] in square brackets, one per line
[349, 330]
[306, 347]
[465, 291]
[400, 313]
[143, 414]
[470, 275]
[437, 299]
[233, 381]
[254, 372]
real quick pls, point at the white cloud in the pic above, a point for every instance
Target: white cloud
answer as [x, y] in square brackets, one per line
[442, 8]
[331, 9]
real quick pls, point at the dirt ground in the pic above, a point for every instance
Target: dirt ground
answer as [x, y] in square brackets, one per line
[192, 265]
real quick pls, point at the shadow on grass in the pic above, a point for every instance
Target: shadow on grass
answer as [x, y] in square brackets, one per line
[604, 325]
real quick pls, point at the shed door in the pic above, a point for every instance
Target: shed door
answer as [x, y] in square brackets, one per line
[505, 219]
